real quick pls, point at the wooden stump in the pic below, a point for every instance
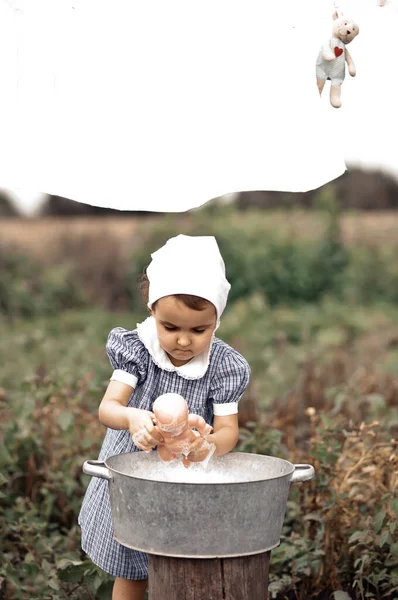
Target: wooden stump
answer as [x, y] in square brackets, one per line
[242, 578]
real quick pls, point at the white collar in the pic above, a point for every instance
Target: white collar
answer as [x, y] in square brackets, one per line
[194, 369]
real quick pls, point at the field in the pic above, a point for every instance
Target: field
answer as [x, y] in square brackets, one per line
[38, 235]
[320, 331]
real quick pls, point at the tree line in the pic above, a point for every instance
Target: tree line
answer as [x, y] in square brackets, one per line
[356, 189]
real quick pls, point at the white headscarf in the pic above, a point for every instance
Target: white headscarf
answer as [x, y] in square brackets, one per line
[189, 265]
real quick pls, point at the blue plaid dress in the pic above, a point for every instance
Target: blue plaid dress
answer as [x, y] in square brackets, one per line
[224, 381]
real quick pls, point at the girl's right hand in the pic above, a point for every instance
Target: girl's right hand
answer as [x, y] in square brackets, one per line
[145, 434]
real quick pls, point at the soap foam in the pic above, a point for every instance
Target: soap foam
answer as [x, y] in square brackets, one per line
[231, 468]
[175, 472]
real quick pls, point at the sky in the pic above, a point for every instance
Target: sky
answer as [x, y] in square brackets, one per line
[155, 106]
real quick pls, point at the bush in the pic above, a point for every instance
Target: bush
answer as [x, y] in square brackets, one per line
[283, 270]
[340, 529]
[95, 269]
[372, 274]
[48, 434]
[27, 290]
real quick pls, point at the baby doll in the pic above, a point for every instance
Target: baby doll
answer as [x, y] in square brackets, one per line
[175, 424]
[332, 57]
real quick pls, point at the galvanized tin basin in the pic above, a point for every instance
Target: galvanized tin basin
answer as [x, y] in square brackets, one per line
[235, 507]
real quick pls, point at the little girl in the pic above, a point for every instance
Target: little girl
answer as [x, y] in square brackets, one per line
[173, 350]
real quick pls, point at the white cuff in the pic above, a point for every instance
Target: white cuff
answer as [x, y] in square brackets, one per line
[222, 410]
[124, 377]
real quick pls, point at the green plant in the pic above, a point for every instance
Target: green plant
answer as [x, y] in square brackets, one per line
[28, 290]
[340, 531]
[319, 371]
[282, 269]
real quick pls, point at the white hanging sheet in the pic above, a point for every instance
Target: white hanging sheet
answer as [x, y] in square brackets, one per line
[162, 106]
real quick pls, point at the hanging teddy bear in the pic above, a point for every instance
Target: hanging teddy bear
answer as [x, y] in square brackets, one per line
[332, 57]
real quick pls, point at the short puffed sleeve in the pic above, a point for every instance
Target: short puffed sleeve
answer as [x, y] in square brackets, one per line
[229, 383]
[128, 356]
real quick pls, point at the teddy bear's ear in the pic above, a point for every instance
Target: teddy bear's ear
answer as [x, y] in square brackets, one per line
[335, 15]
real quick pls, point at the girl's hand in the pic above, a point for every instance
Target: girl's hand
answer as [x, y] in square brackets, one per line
[198, 451]
[143, 431]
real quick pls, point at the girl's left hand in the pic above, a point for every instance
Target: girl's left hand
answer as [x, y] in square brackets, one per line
[198, 451]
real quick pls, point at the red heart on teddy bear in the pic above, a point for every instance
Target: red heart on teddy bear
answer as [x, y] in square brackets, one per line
[337, 51]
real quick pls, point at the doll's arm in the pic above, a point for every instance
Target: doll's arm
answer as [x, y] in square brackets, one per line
[350, 63]
[327, 53]
[199, 423]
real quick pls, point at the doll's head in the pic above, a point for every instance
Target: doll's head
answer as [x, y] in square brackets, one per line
[186, 292]
[344, 29]
[171, 412]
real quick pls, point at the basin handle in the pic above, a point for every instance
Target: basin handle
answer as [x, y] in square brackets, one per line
[302, 473]
[96, 468]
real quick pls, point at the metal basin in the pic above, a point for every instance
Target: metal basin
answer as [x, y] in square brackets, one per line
[235, 507]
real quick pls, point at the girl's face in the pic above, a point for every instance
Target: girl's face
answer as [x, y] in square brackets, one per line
[183, 333]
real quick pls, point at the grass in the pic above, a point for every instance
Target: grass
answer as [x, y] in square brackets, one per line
[324, 388]
[325, 381]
